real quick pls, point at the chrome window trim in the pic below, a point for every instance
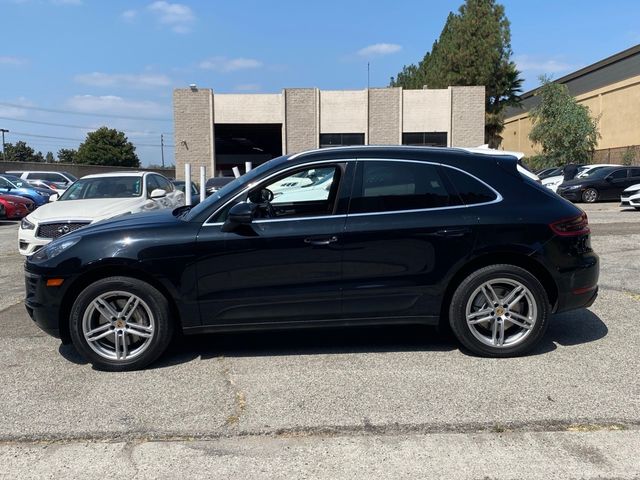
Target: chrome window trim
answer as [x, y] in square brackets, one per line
[498, 198]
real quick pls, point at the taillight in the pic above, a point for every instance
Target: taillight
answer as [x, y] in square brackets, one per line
[571, 227]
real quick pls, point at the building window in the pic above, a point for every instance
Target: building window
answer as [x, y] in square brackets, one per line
[341, 139]
[430, 139]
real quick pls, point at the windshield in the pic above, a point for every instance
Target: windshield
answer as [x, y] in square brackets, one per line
[591, 172]
[15, 182]
[245, 179]
[104, 187]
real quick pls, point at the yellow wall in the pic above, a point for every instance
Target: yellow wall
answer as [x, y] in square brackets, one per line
[617, 104]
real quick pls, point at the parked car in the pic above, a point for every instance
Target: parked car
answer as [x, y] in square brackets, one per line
[15, 186]
[605, 183]
[549, 172]
[216, 183]
[94, 198]
[46, 184]
[553, 182]
[195, 190]
[14, 207]
[631, 197]
[403, 235]
[61, 179]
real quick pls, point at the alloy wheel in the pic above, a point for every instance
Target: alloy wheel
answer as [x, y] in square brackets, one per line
[118, 325]
[590, 195]
[501, 313]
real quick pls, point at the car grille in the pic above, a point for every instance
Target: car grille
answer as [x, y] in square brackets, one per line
[55, 230]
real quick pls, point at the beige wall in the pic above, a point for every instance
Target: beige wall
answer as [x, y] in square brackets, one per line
[248, 108]
[618, 106]
[193, 129]
[343, 111]
[426, 110]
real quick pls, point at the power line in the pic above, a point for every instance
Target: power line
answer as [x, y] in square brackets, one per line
[79, 140]
[86, 114]
[52, 124]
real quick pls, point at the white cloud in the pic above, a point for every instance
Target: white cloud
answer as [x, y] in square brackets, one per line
[127, 80]
[15, 110]
[378, 49]
[223, 64]
[177, 16]
[129, 15]
[115, 105]
[248, 87]
[537, 65]
[12, 61]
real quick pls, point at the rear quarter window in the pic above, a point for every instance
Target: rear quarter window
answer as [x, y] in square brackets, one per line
[470, 190]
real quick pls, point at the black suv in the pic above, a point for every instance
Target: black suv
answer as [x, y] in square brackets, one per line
[340, 236]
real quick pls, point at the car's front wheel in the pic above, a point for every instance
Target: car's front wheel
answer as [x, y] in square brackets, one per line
[590, 195]
[120, 323]
[499, 311]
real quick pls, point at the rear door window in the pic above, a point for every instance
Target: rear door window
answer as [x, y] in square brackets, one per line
[470, 190]
[387, 186]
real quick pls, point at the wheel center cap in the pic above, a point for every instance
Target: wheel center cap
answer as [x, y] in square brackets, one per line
[499, 311]
[120, 323]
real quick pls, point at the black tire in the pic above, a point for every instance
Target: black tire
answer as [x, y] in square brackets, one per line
[154, 302]
[466, 289]
[590, 195]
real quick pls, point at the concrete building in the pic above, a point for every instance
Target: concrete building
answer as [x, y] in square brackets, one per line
[611, 90]
[225, 130]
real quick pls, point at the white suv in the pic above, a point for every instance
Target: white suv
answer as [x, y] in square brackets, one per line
[61, 179]
[94, 198]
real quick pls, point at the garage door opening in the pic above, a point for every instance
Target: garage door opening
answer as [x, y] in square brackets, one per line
[238, 143]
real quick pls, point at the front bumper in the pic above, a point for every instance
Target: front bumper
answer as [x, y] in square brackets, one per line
[43, 303]
[571, 195]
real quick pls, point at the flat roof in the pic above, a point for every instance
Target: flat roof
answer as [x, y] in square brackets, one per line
[615, 68]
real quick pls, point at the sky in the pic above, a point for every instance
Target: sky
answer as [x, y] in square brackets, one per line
[70, 66]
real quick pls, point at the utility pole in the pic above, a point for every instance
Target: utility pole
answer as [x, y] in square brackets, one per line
[3, 130]
[162, 148]
[367, 75]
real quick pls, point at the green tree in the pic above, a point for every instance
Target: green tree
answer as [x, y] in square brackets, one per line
[474, 48]
[107, 146]
[21, 152]
[49, 158]
[67, 155]
[564, 129]
[628, 157]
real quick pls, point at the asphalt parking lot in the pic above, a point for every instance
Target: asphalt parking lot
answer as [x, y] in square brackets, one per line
[381, 402]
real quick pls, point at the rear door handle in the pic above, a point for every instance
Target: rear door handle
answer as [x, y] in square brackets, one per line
[453, 232]
[321, 241]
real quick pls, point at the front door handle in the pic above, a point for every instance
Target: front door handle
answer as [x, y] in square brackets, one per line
[321, 241]
[453, 232]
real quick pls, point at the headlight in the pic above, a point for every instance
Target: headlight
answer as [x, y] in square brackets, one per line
[26, 225]
[54, 249]
[573, 187]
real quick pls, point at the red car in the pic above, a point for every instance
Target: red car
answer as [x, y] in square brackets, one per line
[14, 207]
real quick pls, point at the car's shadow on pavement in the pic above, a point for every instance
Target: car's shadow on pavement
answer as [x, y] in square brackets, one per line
[567, 329]
[8, 222]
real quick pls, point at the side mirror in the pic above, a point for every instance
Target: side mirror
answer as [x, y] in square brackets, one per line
[53, 197]
[158, 193]
[240, 214]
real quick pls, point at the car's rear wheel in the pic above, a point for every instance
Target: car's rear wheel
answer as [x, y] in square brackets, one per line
[590, 195]
[120, 323]
[499, 311]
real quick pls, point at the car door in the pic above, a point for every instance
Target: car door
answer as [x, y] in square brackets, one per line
[406, 229]
[615, 183]
[286, 265]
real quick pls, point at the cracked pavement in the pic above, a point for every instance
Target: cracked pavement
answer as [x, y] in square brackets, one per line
[376, 402]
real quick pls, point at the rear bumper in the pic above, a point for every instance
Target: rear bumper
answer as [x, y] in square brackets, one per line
[578, 286]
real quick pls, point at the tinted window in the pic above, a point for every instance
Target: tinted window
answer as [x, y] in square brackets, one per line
[152, 184]
[471, 191]
[618, 174]
[433, 139]
[635, 172]
[341, 139]
[164, 183]
[385, 186]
